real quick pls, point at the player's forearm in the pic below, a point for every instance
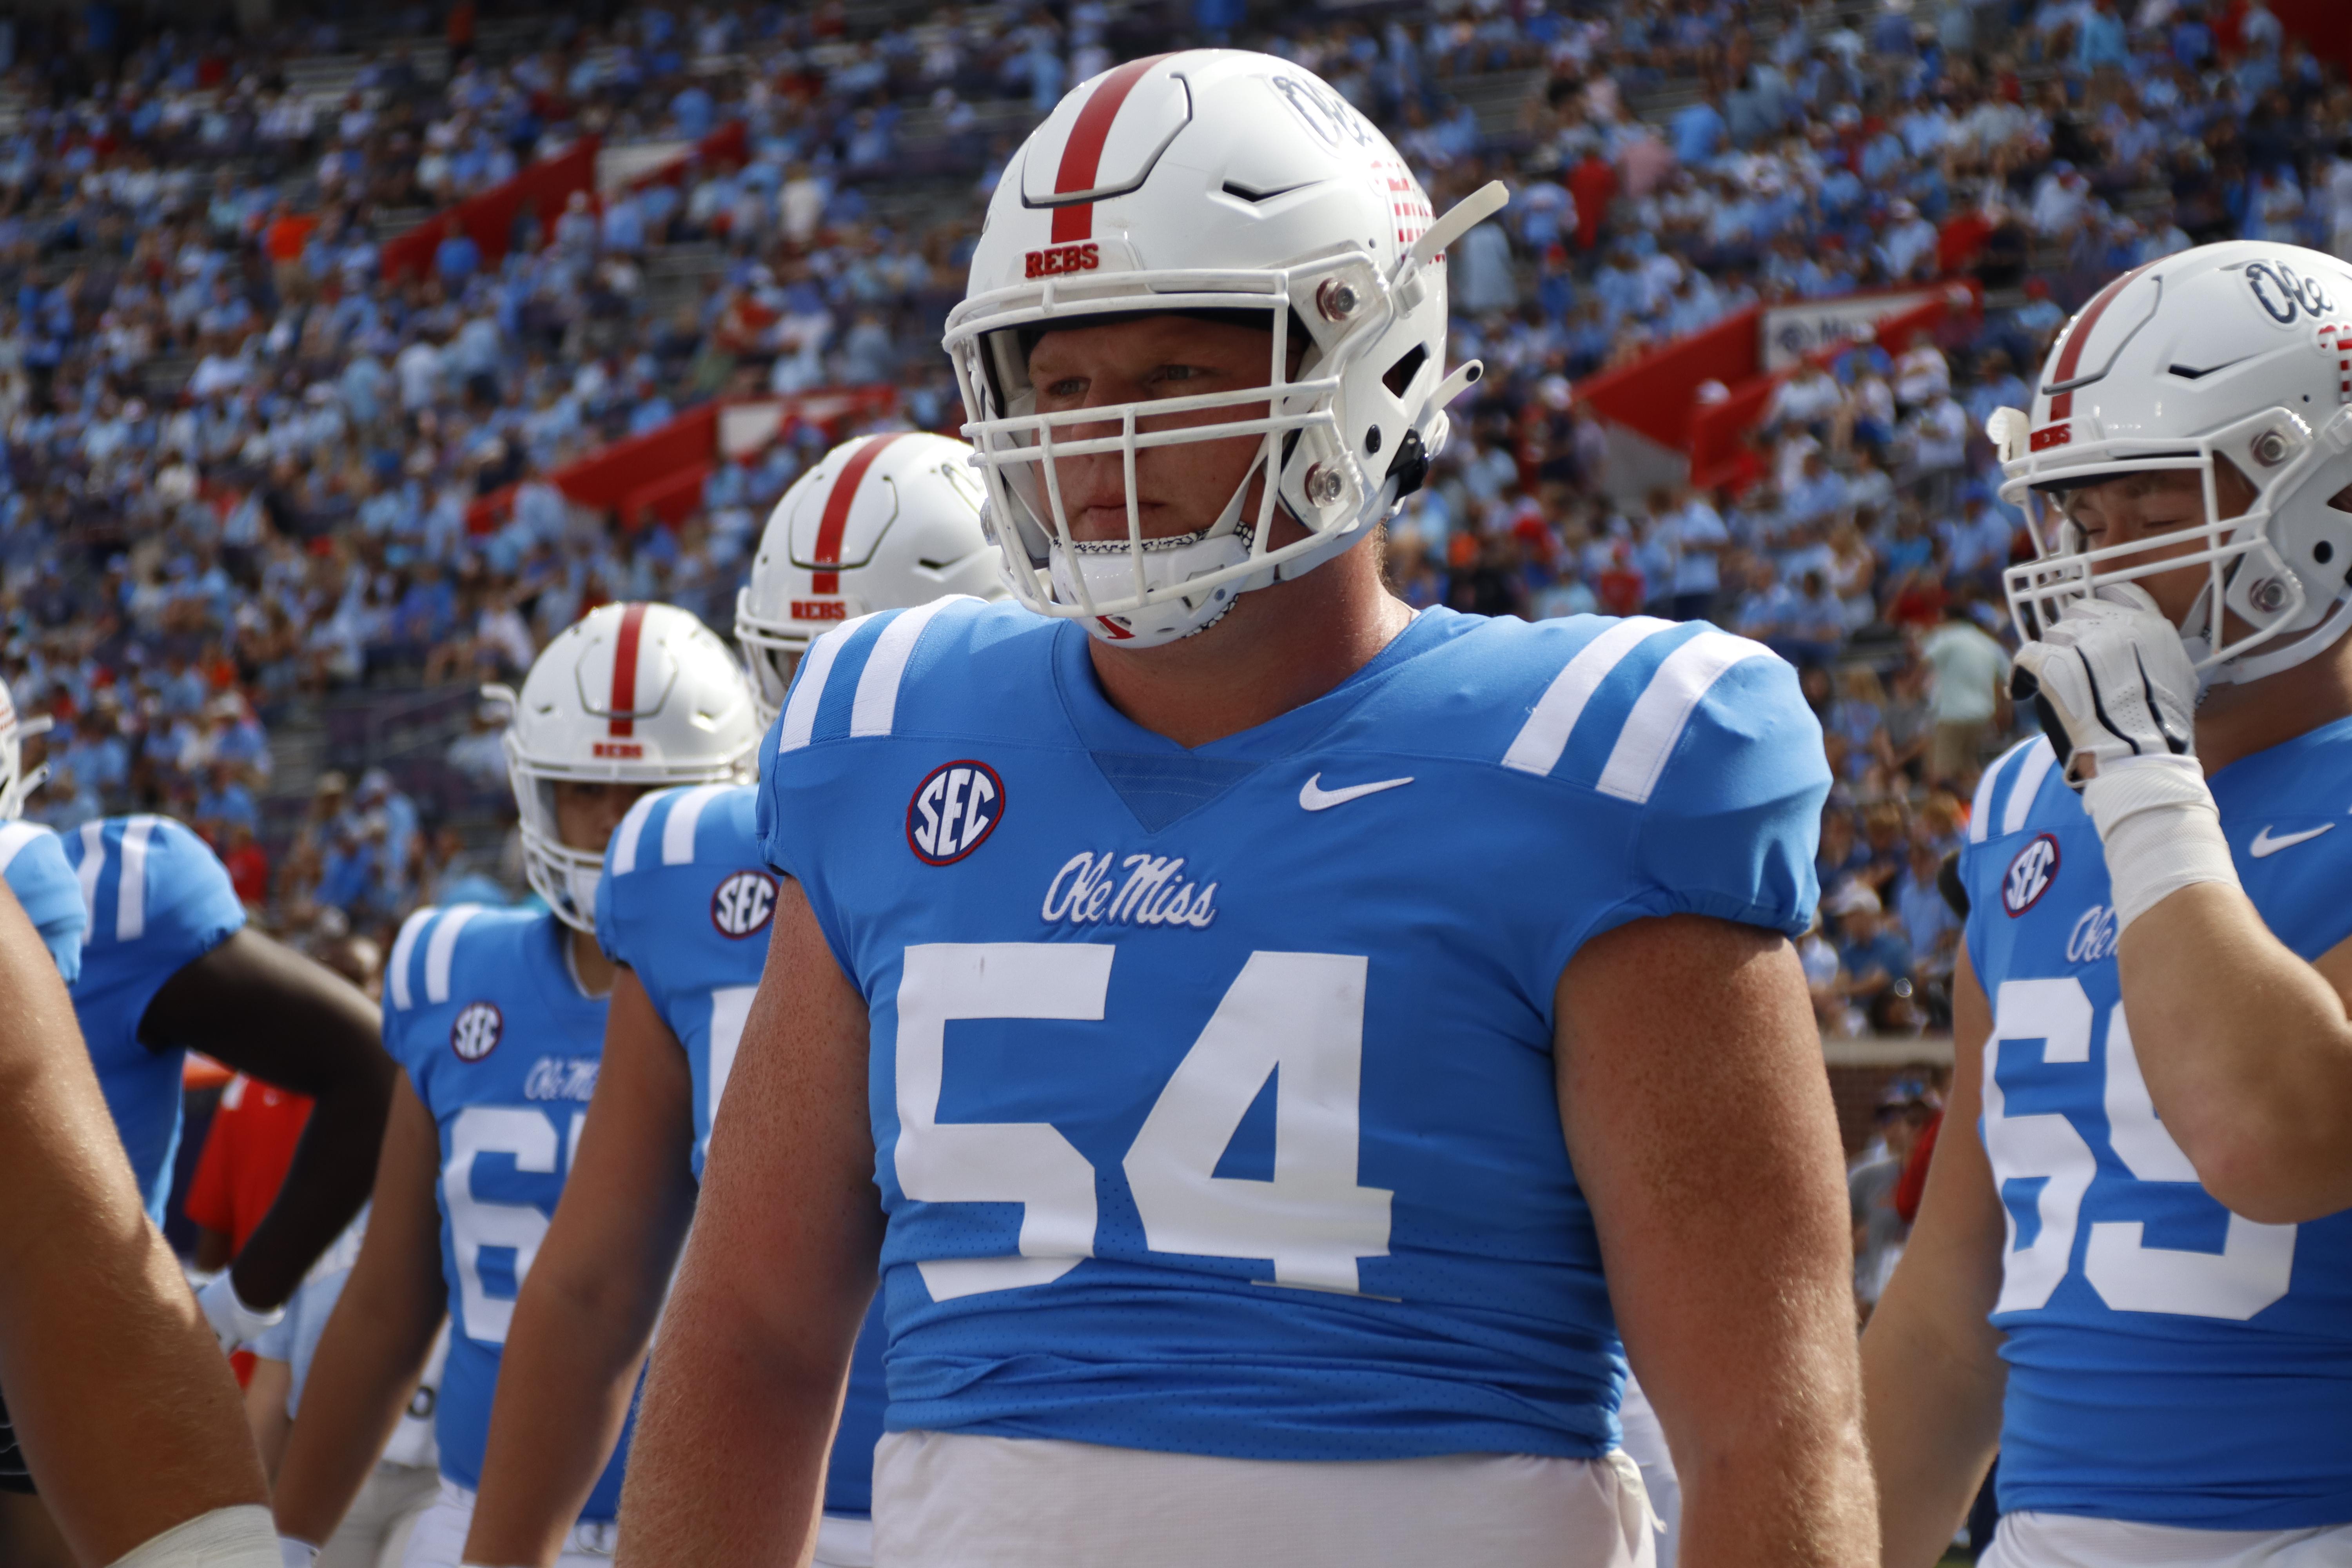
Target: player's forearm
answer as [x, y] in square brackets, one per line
[1776, 1470]
[333, 1172]
[110, 1372]
[1932, 1392]
[564, 1383]
[1799, 1497]
[361, 1381]
[2246, 1052]
[109, 1368]
[729, 1461]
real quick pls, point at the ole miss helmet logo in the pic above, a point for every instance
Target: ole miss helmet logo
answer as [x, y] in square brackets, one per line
[743, 903]
[475, 1032]
[954, 810]
[2029, 875]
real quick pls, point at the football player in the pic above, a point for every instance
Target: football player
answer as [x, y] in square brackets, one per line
[1288, 1035]
[496, 1019]
[2154, 884]
[129, 1416]
[170, 966]
[886, 522]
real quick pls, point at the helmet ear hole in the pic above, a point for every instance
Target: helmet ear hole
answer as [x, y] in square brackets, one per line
[1400, 375]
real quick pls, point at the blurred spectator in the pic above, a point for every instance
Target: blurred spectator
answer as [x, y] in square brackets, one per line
[247, 1151]
[1879, 1230]
[1970, 695]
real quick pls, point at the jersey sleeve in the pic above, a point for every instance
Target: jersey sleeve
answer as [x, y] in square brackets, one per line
[792, 778]
[1725, 761]
[403, 989]
[615, 930]
[45, 886]
[190, 905]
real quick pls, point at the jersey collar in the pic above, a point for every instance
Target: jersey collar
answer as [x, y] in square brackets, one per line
[1103, 728]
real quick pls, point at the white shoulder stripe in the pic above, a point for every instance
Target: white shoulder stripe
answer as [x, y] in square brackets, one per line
[2040, 758]
[808, 692]
[403, 947]
[1980, 805]
[632, 829]
[684, 817]
[13, 837]
[443, 948]
[1540, 741]
[93, 861]
[877, 687]
[130, 888]
[1662, 710]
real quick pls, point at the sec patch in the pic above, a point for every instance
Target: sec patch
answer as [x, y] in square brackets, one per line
[953, 811]
[2029, 875]
[474, 1034]
[743, 903]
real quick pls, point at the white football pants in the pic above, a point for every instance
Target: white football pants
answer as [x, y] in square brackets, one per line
[2065, 1541]
[1005, 1502]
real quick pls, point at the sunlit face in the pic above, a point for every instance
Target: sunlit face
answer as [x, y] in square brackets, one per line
[586, 813]
[2148, 505]
[1180, 489]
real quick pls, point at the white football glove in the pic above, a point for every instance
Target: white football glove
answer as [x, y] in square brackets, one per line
[233, 1322]
[2118, 697]
[293, 1553]
[2112, 680]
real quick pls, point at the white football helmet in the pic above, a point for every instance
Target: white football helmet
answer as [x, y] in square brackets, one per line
[881, 522]
[2240, 351]
[1222, 181]
[17, 785]
[641, 694]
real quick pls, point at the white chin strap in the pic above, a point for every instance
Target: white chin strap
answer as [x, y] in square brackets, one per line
[1110, 576]
[566, 879]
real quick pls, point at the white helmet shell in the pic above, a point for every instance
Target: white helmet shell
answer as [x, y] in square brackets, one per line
[629, 693]
[881, 522]
[1210, 180]
[17, 785]
[2242, 351]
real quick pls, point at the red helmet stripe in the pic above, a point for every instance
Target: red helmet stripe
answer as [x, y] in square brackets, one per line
[2062, 404]
[836, 520]
[624, 671]
[1082, 153]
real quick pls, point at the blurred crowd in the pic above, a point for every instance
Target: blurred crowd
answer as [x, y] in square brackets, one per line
[242, 465]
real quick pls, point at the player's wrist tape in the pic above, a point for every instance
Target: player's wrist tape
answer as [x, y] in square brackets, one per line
[2162, 830]
[232, 1319]
[296, 1554]
[239, 1537]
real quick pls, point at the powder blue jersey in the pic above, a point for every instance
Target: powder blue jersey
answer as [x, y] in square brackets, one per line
[34, 861]
[481, 1011]
[686, 904]
[2170, 1362]
[1212, 1090]
[157, 899]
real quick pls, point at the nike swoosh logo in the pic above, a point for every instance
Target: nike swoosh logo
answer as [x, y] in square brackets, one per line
[1315, 799]
[2264, 845]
